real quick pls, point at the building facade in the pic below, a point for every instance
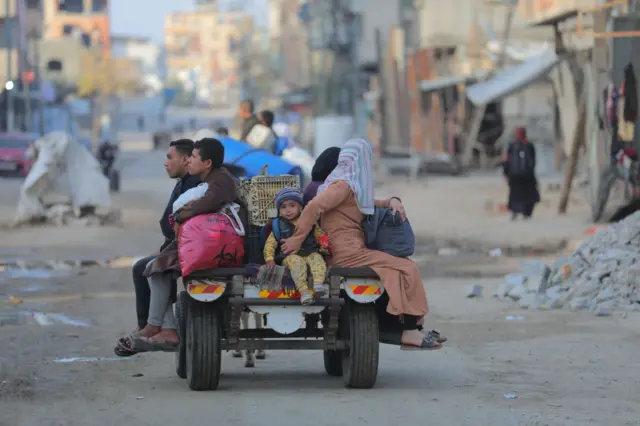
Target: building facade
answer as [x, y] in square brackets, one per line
[290, 43]
[204, 49]
[462, 31]
[13, 50]
[85, 19]
[148, 58]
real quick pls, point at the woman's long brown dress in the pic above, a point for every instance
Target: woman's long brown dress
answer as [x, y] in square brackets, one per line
[341, 219]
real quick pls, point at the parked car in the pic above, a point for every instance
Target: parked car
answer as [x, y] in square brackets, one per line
[14, 153]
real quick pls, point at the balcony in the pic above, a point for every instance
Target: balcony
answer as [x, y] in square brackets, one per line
[549, 12]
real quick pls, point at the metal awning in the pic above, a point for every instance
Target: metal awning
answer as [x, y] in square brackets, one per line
[512, 80]
[446, 82]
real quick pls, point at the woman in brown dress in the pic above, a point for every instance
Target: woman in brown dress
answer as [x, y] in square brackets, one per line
[342, 200]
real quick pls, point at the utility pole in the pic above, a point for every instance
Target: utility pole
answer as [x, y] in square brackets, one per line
[8, 27]
[38, 79]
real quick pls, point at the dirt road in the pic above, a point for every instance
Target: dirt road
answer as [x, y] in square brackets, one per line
[563, 368]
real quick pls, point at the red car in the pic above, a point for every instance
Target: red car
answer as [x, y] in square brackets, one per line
[14, 158]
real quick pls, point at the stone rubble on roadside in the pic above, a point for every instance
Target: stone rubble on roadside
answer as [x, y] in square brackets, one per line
[602, 276]
[63, 214]
[475, 291]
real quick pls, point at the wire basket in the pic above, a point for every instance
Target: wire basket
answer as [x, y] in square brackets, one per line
[259, 193]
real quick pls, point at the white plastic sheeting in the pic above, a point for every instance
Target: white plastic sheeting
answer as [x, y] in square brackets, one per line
[62, 164]
[301, 158]
[512, 80]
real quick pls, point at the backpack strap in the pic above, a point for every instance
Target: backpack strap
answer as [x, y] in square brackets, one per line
[275, 228]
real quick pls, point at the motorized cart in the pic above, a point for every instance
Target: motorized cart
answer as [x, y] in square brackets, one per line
[343, 323]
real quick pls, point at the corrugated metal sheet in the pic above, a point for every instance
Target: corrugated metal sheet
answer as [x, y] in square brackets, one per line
[512, 80]
[443, 83]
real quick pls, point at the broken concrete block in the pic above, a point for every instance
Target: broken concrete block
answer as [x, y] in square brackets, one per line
[517, 292]
[510, 281]
[556, 297]
[535, 267]
[475, 291]
[535, 283]
[579, 304]
[605, 295]
[515, 279]
[604, 310]
[531, 301]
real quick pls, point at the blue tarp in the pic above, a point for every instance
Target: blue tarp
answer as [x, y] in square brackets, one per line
[252, 160]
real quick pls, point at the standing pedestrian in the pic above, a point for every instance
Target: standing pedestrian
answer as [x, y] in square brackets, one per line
[519, 170]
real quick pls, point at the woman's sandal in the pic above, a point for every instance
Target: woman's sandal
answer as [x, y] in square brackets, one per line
[147, 344]
[429, 343]
[435, 335]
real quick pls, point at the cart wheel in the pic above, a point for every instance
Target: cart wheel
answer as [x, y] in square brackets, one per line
[203, 346]
[333, 362]
[181, 318]
[359, 327]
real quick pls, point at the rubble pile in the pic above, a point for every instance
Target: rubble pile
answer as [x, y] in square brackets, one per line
[66, 215]
[601, 276]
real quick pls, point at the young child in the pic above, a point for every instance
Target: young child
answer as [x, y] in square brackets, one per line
[289, 205]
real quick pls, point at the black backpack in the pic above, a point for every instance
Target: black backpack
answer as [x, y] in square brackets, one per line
[521, 161]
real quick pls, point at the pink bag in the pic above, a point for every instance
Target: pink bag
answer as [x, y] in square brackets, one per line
[210, 241]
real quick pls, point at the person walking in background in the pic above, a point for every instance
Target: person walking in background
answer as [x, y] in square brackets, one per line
[247, 114]
[519, 170]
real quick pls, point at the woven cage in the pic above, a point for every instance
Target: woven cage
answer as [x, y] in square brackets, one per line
[259, 192]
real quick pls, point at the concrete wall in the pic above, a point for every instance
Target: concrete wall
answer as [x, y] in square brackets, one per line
[375, 14]
[534, 109]
[68, 51]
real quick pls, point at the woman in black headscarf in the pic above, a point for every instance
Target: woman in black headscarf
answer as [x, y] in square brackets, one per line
[326, 162]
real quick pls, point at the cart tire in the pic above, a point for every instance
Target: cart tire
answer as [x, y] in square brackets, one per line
[333, 363]
[203, 346]
[359, 327]
[181, 318]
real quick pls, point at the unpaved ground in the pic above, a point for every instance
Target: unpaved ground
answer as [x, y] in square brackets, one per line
[566, 368]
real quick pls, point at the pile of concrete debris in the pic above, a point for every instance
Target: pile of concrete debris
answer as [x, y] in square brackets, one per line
[601, 276]
[65, 215]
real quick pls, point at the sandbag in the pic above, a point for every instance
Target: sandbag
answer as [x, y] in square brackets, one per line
[388, 233]
[210, 241]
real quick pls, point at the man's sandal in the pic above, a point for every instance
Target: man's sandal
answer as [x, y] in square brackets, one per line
[124, 346]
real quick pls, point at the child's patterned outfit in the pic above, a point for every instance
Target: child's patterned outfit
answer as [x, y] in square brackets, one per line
[309, 254]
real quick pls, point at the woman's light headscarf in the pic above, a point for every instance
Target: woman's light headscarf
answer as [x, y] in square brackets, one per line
[356, 169]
